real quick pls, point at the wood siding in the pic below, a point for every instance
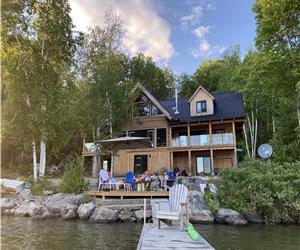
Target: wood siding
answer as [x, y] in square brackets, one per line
[157, 159]
[202, 96]
[223, 158]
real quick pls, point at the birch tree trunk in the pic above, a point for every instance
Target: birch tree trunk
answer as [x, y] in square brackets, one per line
[35, 170]
[42, 158]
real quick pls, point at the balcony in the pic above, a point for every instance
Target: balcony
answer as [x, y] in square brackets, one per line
[203, 140]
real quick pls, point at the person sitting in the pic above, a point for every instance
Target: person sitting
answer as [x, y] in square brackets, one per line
[176, 172]
[103, 177]
[155, 182]
[184, 173]
[146, 177]
[164, 179]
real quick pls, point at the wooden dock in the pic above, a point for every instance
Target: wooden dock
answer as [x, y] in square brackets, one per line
[168, 238]
[129, 194]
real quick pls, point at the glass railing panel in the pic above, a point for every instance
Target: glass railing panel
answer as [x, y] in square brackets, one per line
[183, 141]
[204, 140]
[195, 140]
[217, 139]
[228, 138]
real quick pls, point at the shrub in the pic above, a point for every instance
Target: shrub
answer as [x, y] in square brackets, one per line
[211, 202]
[73, 180]
[272, 189]
[38, 186]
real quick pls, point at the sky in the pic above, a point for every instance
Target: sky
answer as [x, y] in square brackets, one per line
[178, 34]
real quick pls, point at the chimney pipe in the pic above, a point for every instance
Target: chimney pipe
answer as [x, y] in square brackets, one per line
[176, 99]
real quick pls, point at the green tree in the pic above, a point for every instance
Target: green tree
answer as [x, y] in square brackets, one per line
[159, 82]
[38, 49]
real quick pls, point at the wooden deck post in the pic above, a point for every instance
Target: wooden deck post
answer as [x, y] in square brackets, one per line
[234, 142]
[212, 160]
[210, 133]
[190, 162]
[171, 160]
[189, 134]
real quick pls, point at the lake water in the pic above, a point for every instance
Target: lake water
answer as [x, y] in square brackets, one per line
[25, 233]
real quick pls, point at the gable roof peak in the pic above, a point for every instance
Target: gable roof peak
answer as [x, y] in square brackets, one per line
[198, 89]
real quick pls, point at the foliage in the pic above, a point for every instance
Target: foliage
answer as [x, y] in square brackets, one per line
[73, 180]
[37, 187]
[211, 202]
[85, 199]
[272, 189]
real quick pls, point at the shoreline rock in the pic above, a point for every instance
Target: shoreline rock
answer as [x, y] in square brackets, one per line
[229, 216]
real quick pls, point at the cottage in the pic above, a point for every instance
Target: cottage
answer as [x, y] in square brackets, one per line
[197, 134]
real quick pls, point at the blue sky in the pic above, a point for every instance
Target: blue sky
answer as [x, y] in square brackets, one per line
[177, 34]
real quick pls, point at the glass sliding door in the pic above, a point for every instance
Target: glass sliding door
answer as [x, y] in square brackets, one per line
[203, 165]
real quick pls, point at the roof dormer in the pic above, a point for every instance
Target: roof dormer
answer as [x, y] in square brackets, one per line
[201, 103]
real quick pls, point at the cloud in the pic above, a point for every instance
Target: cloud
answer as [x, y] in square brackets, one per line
[193, 18]
[200, 31]
[205, 50]
[145, 31]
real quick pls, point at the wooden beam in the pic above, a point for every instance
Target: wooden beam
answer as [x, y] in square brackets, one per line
[210, 133]
[190, 162]
[234, 142]
[212, 160]
[171, 160]
[189, 134]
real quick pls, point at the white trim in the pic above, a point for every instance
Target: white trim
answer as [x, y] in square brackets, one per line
[198, 89]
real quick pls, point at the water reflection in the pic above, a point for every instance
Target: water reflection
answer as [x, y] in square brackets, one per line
[24, 233]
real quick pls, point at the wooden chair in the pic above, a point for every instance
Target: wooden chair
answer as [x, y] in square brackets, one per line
[177, 207]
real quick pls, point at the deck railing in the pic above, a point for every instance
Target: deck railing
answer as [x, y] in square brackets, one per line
[203, 140]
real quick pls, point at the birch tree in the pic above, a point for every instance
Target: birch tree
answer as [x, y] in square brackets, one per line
[105, 74]
[38, 47]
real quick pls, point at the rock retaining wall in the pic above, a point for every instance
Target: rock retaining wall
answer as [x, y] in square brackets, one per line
[69, 206]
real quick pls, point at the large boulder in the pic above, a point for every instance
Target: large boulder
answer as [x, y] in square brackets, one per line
[126, 215]
[85, 210]
[104, 215]
[229, 216]
[204, 216]
[25, 194]
[29, 208]
[69, 211]
[7, 204]
[139, 214]
[252, 216]
[55, 203]
[196, 201]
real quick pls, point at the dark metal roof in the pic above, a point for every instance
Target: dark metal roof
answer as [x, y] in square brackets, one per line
[227, 105]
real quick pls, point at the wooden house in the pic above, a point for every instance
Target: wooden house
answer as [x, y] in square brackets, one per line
[198, 134]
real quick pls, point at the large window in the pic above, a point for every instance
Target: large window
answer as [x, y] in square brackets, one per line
[201, 106]
[161, 137]
[143, 107]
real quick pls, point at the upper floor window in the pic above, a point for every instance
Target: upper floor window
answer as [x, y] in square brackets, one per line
[201, 106]
[144, 107]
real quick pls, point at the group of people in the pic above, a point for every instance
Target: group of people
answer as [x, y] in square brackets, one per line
[151, 181]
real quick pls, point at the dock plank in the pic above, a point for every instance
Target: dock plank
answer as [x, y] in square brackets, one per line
[168, 238]
[129, 194]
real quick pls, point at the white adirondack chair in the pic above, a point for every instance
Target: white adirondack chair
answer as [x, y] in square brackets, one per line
[177, 209]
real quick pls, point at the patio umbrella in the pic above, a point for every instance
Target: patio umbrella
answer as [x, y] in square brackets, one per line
[126, 142]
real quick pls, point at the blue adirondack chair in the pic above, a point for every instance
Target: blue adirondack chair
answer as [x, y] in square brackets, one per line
[129, 178]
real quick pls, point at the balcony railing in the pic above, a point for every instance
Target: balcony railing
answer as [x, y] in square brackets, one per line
[199, 140]
[219, 139]
[203, 140]
[181, 141]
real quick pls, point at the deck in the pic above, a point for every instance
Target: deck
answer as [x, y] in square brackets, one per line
[129, 194]
[168, 238]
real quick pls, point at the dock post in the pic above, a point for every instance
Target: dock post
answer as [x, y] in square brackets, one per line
[144, 211]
